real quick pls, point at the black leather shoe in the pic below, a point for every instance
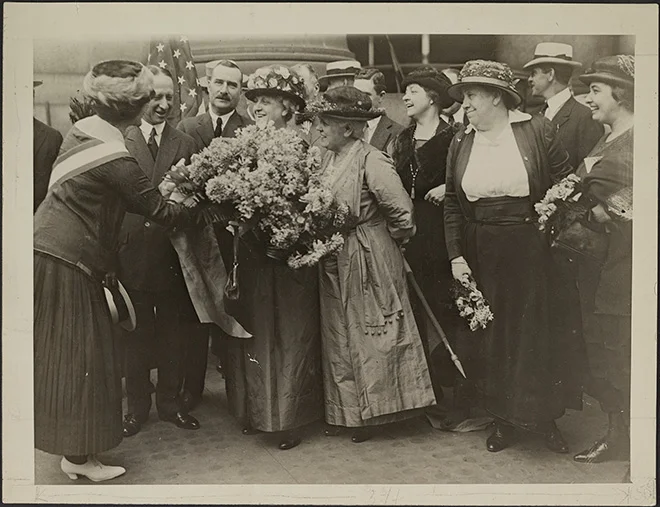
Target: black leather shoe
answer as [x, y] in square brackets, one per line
[289, 443]
[555, 441]
[361, 435]
[331, 431]
[602, 451]
[249, 430]
[131, 425]
[183, 421]
[500, 439]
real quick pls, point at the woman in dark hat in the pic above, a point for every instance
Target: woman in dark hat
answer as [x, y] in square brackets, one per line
[497, 168]
[606, 287]
[77, 383]
[274, 379]
[420, 155]
[374, 369]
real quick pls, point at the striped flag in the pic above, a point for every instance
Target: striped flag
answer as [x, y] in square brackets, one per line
[174, 55]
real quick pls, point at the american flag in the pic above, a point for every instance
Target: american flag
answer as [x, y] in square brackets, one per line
[174, 54]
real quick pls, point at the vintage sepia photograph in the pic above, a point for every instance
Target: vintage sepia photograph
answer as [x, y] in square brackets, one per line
[382, 260]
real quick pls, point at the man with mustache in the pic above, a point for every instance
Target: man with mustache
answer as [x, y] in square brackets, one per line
[150, 270]
[224, 81]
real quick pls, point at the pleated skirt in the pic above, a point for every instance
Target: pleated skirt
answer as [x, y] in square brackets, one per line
[77, 380]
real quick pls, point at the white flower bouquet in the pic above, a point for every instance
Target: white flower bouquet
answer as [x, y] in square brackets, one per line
[267, 178]
[471, 303]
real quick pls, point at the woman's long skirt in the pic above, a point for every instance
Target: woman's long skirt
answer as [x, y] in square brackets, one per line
[77, 381]
[273, 380]
[522, 364]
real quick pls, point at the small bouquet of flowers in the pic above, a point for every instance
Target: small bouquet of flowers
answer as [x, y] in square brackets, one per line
[559, 199]
[270, 181]
[471, 303]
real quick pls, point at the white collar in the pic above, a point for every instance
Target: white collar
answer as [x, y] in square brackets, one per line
[146, 128]
[224, 117]
[515, 116]
[556, 101]
[98, 128]
[373, 122]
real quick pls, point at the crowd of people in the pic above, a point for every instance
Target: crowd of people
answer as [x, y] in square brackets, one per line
[347, 342]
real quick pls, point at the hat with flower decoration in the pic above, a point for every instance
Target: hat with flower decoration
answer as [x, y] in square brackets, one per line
[276, 80]
[485, 73]
[431, 78]
[345, 102]
[617, 70]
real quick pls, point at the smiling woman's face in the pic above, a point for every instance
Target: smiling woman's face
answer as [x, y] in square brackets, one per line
[332, 134]
[603, 105]
[267, 108]
[478, 103]
[416, 99]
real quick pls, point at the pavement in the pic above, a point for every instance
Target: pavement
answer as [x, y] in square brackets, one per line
[411, 452]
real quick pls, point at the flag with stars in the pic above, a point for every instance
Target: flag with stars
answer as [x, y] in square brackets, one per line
[174, 54]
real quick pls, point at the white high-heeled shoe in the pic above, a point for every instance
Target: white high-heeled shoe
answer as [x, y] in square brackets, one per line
[93, 469]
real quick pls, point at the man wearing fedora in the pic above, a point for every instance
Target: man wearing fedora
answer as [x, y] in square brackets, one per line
[150, 268]
[379, 132]
[224, 82]
[340, 73]
[550, 72]
[47, 142]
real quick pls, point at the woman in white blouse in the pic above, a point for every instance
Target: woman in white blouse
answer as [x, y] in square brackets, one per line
[497, 168]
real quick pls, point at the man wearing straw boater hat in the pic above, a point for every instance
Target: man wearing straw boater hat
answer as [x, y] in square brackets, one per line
[340, 73]
[550, 72]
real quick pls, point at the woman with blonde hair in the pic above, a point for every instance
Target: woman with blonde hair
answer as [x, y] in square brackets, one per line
[77, 382]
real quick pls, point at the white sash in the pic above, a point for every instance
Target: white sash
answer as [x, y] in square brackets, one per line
[84, 157]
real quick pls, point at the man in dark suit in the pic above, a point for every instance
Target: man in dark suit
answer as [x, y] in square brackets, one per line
[550, 73]
[224, 83]
[47, 142]
[379, 132]
[150, 270]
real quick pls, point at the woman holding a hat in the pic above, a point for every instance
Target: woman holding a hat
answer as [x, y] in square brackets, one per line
[420, 155]
[374, 368]
[498, 167]
[274, 379]
[77, 382]
[606, 287]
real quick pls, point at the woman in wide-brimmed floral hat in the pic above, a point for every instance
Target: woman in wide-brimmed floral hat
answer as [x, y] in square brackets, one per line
[274, 379]
[497, 168]
[606, 288]
[374, 369]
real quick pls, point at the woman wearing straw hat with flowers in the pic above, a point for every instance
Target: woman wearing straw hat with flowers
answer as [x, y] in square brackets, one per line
[606, 287]
[497, 168]
[274, 379]
[374, 368]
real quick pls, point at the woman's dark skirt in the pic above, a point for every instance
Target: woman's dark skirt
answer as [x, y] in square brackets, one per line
[77, 383]
[521, 364]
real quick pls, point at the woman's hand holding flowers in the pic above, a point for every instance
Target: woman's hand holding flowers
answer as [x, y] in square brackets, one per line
[460, 268]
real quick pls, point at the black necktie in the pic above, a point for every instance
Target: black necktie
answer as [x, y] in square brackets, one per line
[218, 128]
[544, 108]
[152, 145]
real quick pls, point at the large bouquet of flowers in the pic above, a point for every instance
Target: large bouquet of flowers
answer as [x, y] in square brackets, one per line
[563, 215]
[270, 180]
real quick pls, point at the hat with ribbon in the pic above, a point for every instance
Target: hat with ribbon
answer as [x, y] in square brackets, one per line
[617, 70]
[342, 68]
[552, 53]
[276, 80]
[485, 73]
[121, 306]
[344, 102]
[432, 79]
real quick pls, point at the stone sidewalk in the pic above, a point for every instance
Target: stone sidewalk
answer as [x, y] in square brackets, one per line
[405, 453]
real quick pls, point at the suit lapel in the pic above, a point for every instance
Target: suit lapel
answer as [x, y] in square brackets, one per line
[205, 129]
[382, 133]
[169, 145]
[234, 122]
[137, 146]
[564, 113]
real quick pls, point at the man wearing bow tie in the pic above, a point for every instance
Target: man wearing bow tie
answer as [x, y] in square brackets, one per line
[150, 270]
[550, 73]
[224, 81]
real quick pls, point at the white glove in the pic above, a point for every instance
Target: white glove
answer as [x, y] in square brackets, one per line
[460, 268]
